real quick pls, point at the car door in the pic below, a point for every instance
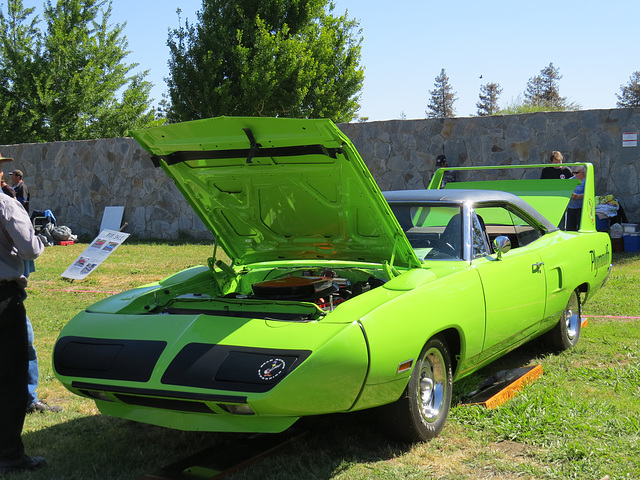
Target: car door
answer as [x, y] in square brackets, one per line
[514, 285]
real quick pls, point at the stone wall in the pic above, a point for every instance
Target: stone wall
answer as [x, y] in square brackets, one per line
[77, 180]
[401, 153]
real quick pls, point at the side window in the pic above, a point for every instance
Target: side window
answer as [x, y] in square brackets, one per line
[481, 245]
[500, 221]
[525, 232]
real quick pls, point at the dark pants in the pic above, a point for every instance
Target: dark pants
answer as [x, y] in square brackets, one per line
[14, 362]
[573, 218]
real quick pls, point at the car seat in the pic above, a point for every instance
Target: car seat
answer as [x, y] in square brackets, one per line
[452, 234]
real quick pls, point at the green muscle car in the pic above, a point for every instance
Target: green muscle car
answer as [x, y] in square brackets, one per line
[338, 297]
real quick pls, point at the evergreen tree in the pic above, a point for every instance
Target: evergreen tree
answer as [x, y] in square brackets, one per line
[442, 98]
[543, 91]
[162, 108]
[534, 94]
[287, 58]
[630, 92]
[488, 104]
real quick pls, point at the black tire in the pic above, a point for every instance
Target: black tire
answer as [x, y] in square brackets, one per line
[566, 333]
[422, 410]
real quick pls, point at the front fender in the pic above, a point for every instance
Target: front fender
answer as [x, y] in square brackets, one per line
[330, 380]
[398, 329]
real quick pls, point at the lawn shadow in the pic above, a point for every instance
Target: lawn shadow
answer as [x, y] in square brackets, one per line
[333, 443]
[101, 447]
[109, 448]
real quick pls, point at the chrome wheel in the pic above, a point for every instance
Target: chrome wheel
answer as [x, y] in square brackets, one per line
[422, 410]
[566, 332]
[572, 317]
[433, 384]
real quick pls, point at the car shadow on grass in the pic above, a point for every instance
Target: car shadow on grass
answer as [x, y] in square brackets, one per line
[103, 447]
[333, 444]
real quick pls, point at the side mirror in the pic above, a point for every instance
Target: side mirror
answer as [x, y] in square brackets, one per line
[501, 245]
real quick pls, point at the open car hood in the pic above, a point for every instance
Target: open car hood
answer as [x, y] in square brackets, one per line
[273, 189]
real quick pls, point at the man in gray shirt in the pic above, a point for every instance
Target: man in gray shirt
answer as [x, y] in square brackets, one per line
[17, 244]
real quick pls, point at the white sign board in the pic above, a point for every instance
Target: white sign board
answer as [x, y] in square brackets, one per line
[112, 218]
[101, 247]
[630, 139]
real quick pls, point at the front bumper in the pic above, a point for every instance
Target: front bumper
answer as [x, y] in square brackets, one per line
[212, 373]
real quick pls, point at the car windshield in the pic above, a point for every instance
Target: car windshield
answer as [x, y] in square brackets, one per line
[434, 231]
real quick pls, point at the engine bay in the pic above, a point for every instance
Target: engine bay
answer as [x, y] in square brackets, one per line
[285, 294]
[326, 288]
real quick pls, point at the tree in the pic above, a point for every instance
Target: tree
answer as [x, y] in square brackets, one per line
[19, 73]
[518, 106]
[488, 104]
[630, 92]
[70, 82]
[84, 57]
[442, 98]
[543, 91]
[162, 108]
[287, 58]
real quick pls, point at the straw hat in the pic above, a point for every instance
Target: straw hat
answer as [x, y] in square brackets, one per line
[5, 159]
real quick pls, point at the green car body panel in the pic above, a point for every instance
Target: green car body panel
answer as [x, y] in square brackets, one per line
[334, 287]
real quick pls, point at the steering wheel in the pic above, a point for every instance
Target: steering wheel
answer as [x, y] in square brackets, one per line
[443, 248]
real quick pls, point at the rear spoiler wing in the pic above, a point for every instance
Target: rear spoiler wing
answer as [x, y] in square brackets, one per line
[549, 197]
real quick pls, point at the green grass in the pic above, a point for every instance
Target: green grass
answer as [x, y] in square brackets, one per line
[583, 415]
[580, 419]
[620, 297]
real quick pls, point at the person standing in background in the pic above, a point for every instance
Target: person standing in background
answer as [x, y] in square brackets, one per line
[448, 176]
[6, 189]
[22, 192]
[574, 208]
[557, 171]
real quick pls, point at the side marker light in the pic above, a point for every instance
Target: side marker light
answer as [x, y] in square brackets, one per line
[405, 366]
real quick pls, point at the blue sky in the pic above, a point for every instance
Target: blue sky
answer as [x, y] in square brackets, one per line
[407, 42]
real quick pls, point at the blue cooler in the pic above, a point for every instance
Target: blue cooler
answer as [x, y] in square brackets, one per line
[602, 224]
[631, 242]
